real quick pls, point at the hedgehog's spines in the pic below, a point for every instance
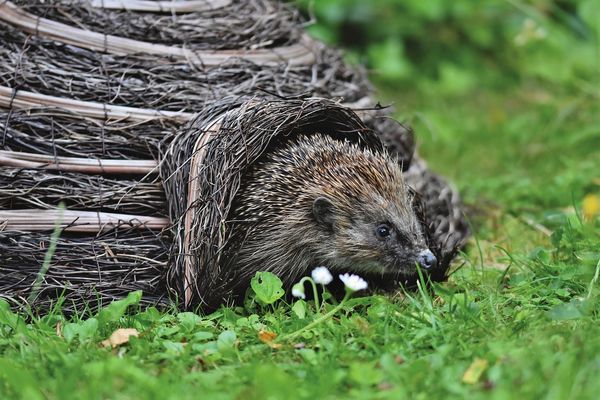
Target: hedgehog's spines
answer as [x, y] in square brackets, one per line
[273, 222]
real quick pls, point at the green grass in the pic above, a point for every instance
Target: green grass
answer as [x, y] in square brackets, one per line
[524, 306]
[519, 319]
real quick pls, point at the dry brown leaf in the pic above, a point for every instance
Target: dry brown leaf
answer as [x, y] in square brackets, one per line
[385, 386]
[59, 329]
[362, 324]
[119, 337]
[475, 370]
[267, 338]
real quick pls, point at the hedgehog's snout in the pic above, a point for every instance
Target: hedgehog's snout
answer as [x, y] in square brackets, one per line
[426, 259]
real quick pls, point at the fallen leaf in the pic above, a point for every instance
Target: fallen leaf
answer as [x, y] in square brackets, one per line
[362, 324]
[385, 386]
[475, 370]
[119, 337]
[267, 338]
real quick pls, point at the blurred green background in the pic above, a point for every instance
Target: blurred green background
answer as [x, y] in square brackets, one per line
[457, 46]
[503, 95]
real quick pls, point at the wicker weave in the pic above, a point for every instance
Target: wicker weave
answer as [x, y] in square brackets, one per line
[142, 117]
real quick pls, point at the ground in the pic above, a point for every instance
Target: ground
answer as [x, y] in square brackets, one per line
[519, 317]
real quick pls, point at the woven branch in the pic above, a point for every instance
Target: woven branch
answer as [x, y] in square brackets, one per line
[87, 271]
[295, 54]
[27, 188]
[194, 183]
[45, 67]
[247, 25]
[73, 164]
[33, 220]
[161, 6]
[59, 132]
[9, 98]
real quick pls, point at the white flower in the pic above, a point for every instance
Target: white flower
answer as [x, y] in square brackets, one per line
[298, 291]
[353, 282]
[321, 275]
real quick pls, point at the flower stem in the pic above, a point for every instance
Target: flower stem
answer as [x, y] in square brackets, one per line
[322, 298]
[318, 320]
[314, 288]
[316, 295]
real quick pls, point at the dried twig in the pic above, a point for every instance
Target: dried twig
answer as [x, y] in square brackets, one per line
[87, 165]
[161, 6]
[34, 220]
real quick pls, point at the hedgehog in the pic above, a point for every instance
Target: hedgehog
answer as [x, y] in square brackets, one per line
[320, 201]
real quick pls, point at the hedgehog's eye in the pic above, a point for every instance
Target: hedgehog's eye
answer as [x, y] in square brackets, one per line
[383, 231]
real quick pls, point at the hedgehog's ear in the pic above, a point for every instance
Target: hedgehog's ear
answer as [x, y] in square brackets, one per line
[324, 211]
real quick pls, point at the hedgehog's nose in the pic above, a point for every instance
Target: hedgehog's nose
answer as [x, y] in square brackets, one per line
[426, 259]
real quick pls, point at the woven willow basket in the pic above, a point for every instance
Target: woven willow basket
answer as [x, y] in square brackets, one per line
[141, 117]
